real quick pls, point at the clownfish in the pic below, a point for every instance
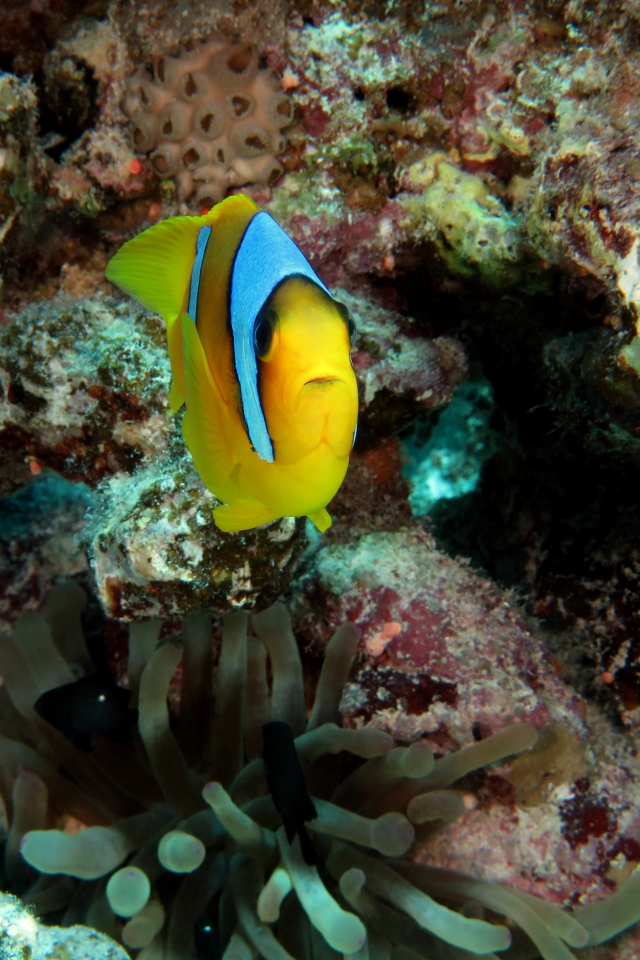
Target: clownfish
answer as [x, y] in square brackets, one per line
[260, 356]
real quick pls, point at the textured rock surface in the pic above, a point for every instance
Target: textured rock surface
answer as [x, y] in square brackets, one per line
[39, 541]
[212, 118]
[527, 116]
[23, 938]
[399, 375]
[84, 392]
[156, 552]
[18, 119]
[84, 389]
[445, 657]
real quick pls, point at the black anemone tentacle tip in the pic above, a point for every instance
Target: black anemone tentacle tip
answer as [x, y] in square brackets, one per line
[288, 786]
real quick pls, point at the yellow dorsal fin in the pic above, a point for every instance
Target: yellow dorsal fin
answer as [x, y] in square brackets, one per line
[155, 267]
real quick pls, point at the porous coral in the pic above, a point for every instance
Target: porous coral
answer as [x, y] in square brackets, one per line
[163, 848]
[212, 117]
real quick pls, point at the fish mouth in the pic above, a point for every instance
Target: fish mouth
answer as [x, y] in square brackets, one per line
[322, 379]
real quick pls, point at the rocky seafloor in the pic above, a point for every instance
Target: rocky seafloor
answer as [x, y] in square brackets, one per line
[467, 176]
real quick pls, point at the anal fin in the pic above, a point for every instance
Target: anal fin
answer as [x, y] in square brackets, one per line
[242, 515]
[321, 519]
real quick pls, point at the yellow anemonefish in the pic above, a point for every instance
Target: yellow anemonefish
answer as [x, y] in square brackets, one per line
[260, 355]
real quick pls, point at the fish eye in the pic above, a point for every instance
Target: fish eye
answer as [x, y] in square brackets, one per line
[350, 322]
[263, 330]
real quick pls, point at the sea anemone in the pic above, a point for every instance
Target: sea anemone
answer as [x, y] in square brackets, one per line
[170, 842]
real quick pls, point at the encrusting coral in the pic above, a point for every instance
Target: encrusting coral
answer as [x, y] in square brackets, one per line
[212, 118]
[172, 837]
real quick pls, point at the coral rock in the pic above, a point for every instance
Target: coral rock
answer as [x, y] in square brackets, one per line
[18, 119]
[156, 551]
[211, 117]
[447, 659]
[399, 376]
[83, 390]
[23, 938]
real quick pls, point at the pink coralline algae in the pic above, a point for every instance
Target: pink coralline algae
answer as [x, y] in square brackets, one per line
[446, 658]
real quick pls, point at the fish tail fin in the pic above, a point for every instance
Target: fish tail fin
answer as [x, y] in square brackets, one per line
[242, 515]
[321, 519]
[203, 426]
[155, 269]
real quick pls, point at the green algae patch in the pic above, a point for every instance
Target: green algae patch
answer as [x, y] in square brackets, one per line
[472, 231]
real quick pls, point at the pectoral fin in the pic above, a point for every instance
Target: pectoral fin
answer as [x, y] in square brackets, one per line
[242, 515]
[175, 398]
[206, 421]
[321, 519]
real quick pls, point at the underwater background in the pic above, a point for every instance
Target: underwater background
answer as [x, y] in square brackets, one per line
[465, 177]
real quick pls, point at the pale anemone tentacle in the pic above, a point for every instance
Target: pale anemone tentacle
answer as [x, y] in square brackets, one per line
[338, 657]
[343, 931]
[382, 773]
[228, 847]
[277, 887]
[227, 727]
[476, 936]
[273, 627]
[257, 705]
[141, 929]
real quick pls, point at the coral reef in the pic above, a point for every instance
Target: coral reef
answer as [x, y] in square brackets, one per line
[399, 375]
[155, 550]
[85, 393]
[448, 660]
[39, 532]
[18, 118]
[84, 390]
[212, 118]
[448, 463]
[472, 231]
[23, 938]
[198, 849]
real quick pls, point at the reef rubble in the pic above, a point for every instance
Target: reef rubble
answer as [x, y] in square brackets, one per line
[23, 938]
[84, 393]
[448, 659]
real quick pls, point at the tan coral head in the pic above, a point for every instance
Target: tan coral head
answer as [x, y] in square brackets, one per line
[211, 118]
